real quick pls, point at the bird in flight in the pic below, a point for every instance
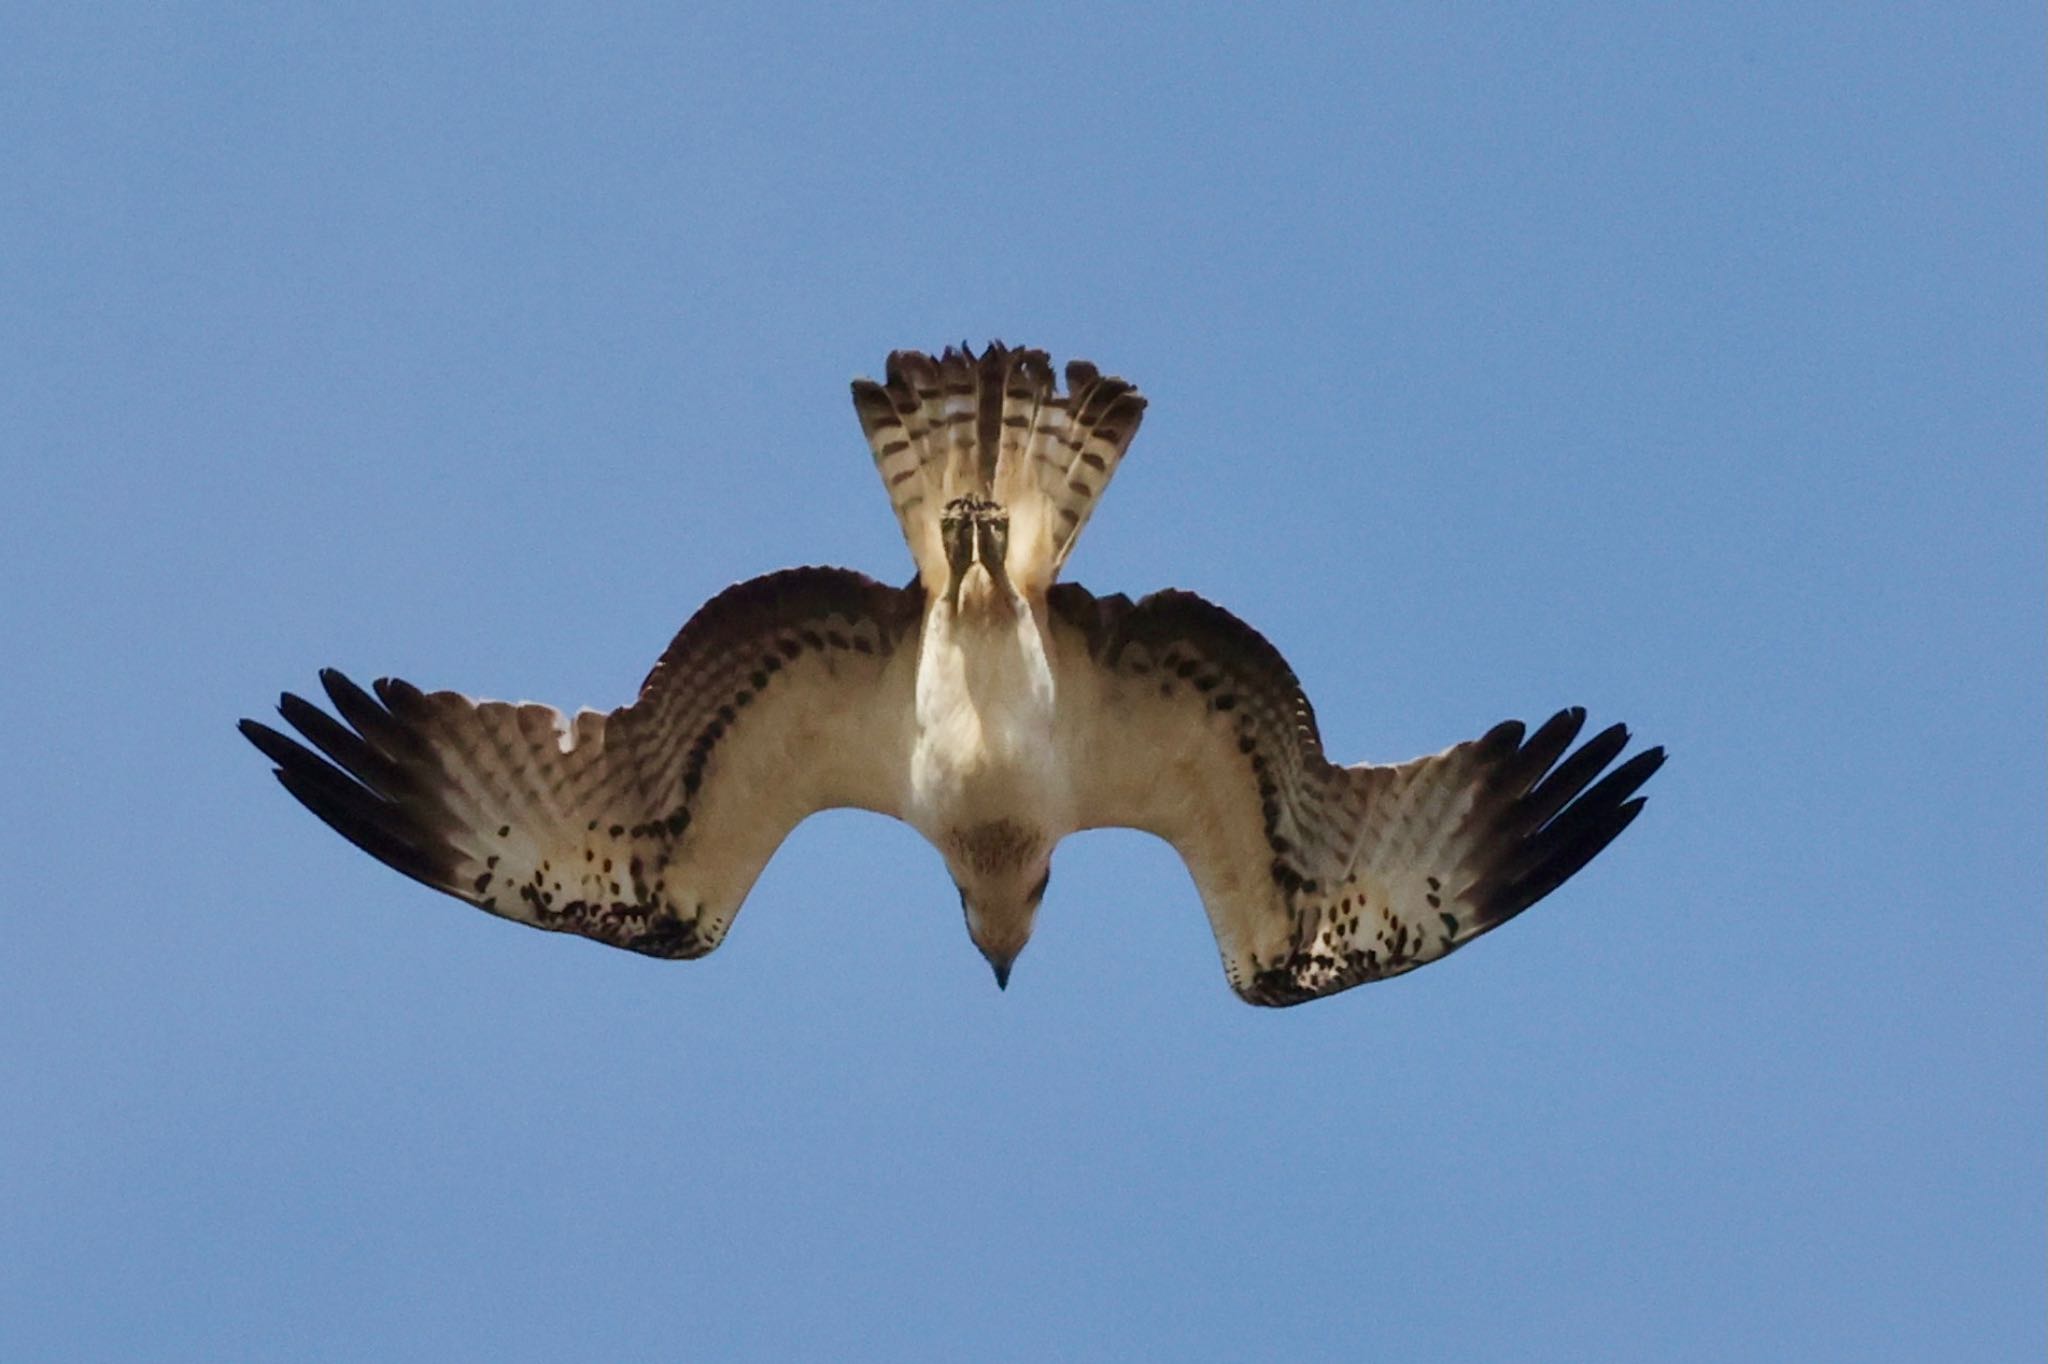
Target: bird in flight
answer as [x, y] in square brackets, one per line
[990, 706]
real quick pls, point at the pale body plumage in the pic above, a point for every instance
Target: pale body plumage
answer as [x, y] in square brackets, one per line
[988, 784]
[988, 705]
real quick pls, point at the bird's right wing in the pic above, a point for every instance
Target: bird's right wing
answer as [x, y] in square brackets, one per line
[643, 828]
[1186, 723]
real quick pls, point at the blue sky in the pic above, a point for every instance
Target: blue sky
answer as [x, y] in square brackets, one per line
[1684, 362]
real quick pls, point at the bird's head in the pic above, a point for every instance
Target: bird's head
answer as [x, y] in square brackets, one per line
[1000, 894]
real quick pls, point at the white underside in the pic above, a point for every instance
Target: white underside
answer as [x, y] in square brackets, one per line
[986, 699]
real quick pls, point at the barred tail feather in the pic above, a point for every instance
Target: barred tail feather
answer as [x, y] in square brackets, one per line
[992, 426]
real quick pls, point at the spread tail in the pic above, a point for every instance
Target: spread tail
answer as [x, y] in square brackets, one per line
[954, 434]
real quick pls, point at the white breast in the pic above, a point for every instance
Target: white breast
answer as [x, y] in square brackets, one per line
[985, 714]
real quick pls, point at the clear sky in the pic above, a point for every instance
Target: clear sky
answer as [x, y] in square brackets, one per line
[1685, 362]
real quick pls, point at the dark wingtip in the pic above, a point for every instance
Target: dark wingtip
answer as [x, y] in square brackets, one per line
[279, 748]
[345, 783]
[1566, 818]
[342, 690]
[1623, 781]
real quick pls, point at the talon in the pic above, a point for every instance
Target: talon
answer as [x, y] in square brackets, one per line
[956, 532]
[992, 541]
[974, 530]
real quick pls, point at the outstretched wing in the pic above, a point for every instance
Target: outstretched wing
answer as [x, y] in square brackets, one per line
[643, 828]
[1318, 877]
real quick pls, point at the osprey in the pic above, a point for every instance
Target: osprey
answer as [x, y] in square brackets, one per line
[990, 706]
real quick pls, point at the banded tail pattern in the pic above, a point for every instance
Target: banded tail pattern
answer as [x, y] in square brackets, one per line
[992, 426]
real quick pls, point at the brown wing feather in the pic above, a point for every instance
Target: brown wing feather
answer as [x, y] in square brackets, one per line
[643, 828]
[1318, 877]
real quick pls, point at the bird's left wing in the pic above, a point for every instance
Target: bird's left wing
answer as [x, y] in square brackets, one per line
[643, 828]
[1186, 723]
